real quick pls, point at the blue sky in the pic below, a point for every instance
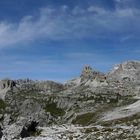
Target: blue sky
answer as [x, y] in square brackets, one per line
[54, 39]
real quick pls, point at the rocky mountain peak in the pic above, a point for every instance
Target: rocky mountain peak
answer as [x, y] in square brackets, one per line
[89, 73]
[129, 70]
[88, 76]
[131, 64]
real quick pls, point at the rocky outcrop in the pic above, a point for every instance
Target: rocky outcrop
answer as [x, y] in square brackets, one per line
[49, 86]
[88, 77]
[126, 72]
[5, 86]
[29, 129]
[45, 87]
[89, 73]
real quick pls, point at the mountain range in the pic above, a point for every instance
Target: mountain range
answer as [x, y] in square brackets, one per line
[93, 106]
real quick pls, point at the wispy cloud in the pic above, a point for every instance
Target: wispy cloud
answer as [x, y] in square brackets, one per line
[65, 23]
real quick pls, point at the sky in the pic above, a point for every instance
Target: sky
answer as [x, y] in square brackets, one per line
[55, 39]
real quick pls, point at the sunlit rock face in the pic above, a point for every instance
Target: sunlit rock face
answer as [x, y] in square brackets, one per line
[127, 71]
[5, 86]
[89, 77]
[89, 73]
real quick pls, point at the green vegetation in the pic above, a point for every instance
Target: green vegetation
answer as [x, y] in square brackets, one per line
[88, 130]
[52, 108]
[84, 119]
[130, 120]
[2, 104]
[36, 133]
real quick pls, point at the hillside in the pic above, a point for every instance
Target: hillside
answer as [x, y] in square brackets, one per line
[92, 106]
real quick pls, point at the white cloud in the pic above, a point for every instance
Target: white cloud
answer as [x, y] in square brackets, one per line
[97, 10]
[66, 23]
[77, 10]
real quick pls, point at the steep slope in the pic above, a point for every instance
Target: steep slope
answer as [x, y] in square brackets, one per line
[127, 71]
[123, 112]
[88, 77]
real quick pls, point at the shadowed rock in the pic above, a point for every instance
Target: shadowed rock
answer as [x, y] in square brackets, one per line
[29, 130]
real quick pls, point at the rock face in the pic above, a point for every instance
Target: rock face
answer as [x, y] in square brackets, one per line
[89, 73]
[127, 71]
[92, 106]
[88, 77]
[6, 85]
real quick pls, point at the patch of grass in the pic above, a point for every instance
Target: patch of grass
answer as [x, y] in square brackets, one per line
[83, 119]
[36, 133]
[2, 104]
[70, 137]
[92, 117]
[127, 120]
[54, 110]
[88, 130]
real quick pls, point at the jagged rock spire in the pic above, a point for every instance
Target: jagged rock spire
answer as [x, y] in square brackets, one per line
[89, 73]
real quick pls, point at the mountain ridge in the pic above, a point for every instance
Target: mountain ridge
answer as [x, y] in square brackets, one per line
[93, 104]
